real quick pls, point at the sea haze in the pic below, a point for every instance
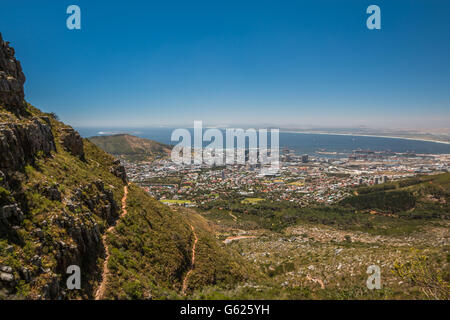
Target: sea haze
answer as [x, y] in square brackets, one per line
[301, 143]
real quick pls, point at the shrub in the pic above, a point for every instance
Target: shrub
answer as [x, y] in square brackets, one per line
[420, 272]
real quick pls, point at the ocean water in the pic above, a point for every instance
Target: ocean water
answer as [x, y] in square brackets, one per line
[301, 143]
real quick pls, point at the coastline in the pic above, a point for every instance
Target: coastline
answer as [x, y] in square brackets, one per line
[367, 135]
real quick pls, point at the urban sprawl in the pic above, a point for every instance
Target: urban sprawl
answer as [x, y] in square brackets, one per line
[326, 177]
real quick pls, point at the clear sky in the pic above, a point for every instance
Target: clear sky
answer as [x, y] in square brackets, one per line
[278, 63]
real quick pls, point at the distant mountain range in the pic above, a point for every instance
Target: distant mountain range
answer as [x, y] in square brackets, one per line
[131, 147]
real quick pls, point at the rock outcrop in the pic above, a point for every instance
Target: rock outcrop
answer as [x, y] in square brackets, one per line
[72, 142]
[11, 80]
[119, 171]
[21, 142]
[51, 192]
[24, 137]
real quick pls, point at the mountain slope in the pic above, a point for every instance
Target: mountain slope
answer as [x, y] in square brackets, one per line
[59, 194]
[131, 147]
[151, 253]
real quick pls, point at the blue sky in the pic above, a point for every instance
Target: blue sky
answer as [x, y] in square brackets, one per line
[277, 63]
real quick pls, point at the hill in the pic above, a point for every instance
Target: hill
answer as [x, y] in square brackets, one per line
[131, 147]
[418, 197]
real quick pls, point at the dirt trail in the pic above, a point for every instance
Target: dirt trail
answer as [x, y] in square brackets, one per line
[233, 216]
[230, 239]
[101, 288]
[192, 261]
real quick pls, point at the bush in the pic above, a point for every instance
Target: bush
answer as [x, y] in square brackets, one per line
[392, 201]
[53, 115]
[134, 290]
[419, 272]
[5, 197]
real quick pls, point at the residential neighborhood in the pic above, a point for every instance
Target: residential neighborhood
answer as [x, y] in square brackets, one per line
[301, 179]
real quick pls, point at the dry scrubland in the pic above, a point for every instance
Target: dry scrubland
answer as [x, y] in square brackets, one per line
[323, 253]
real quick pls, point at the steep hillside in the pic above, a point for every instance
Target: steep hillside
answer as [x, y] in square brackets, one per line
[60, 205]
[131, 147]
[151, 253]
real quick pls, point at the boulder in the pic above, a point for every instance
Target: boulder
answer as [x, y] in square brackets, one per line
[6, 269]
[11, 213]
[52, 192]
[7, 277]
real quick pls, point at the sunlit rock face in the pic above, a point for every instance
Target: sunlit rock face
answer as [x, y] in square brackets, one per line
[11, 80]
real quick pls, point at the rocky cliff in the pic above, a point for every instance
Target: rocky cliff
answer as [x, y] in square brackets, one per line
[11, 80]
[58, 194]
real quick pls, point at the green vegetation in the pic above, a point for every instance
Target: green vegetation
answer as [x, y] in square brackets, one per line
[151, 253]
[215, 264]
[431, 280]
[149, 250]
[393, 210]
[390, 202]
[423, 197]
[5, 197]
[48, 230]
